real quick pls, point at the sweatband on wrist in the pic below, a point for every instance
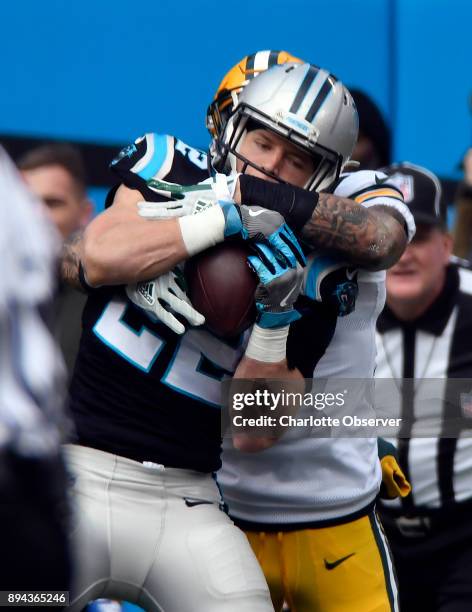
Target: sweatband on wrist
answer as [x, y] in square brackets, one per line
[199, 232]
[267, 345]
[296, 205]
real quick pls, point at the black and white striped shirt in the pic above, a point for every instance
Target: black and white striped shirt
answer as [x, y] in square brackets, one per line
[438, 345]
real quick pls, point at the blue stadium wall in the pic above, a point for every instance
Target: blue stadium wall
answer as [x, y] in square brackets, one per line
[105, 71]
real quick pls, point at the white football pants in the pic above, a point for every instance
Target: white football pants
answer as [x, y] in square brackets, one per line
[156, 536]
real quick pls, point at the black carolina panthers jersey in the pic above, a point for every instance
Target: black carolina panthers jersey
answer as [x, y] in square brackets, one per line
[139, 390]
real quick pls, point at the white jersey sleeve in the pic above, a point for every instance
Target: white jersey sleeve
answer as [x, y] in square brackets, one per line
[373, 188]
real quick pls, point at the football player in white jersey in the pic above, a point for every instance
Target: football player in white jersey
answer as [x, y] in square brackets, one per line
[367, 237]
[307, 503]
[33, 505]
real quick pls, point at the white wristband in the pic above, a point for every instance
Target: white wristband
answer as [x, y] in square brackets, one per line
[267, 345]
[199, 232]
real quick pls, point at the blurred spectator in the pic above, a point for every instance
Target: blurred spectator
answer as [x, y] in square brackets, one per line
[463, 223]
[34, 545]
[423, 343]
[373, 148]
[55, 172]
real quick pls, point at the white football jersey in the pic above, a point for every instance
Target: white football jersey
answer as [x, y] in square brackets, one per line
[304, 479]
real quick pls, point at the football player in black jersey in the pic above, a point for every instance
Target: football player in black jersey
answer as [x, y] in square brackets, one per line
[144, 400]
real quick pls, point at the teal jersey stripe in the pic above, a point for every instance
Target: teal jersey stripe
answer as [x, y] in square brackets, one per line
[320, 265]
[158, 158]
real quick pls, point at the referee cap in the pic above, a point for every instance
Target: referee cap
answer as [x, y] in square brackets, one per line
[421, 191]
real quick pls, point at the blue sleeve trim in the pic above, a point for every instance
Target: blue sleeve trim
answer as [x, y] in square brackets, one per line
[273, 320]
[158, 158]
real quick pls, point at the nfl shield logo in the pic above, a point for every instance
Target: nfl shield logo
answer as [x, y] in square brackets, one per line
[404, 183]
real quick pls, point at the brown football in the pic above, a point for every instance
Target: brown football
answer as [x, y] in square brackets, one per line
[221, 286]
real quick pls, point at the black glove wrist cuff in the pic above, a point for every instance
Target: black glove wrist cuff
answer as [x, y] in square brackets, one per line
[296, 205]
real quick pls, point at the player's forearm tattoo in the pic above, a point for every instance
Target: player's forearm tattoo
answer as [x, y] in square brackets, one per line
[372, 238]
[70, 260]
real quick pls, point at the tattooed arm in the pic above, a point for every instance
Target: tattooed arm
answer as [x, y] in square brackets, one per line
[70, 260]
[373, 238]
[369, 237]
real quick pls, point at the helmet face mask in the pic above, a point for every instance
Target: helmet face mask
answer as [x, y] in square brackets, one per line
[301, 103]
[323, 159]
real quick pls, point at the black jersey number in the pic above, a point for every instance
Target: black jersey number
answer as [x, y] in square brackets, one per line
[184, 373]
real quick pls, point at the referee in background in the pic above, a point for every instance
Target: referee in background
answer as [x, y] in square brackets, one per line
[425, 332]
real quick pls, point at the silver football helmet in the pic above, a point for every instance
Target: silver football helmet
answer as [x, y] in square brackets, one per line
[303, 103]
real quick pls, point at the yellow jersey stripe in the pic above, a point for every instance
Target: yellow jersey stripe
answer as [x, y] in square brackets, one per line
[376, 193]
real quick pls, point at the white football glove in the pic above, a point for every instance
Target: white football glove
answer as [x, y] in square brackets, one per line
[187, 199]
[147, 295]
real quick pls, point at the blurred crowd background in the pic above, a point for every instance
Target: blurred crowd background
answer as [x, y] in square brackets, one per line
[101, 73]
